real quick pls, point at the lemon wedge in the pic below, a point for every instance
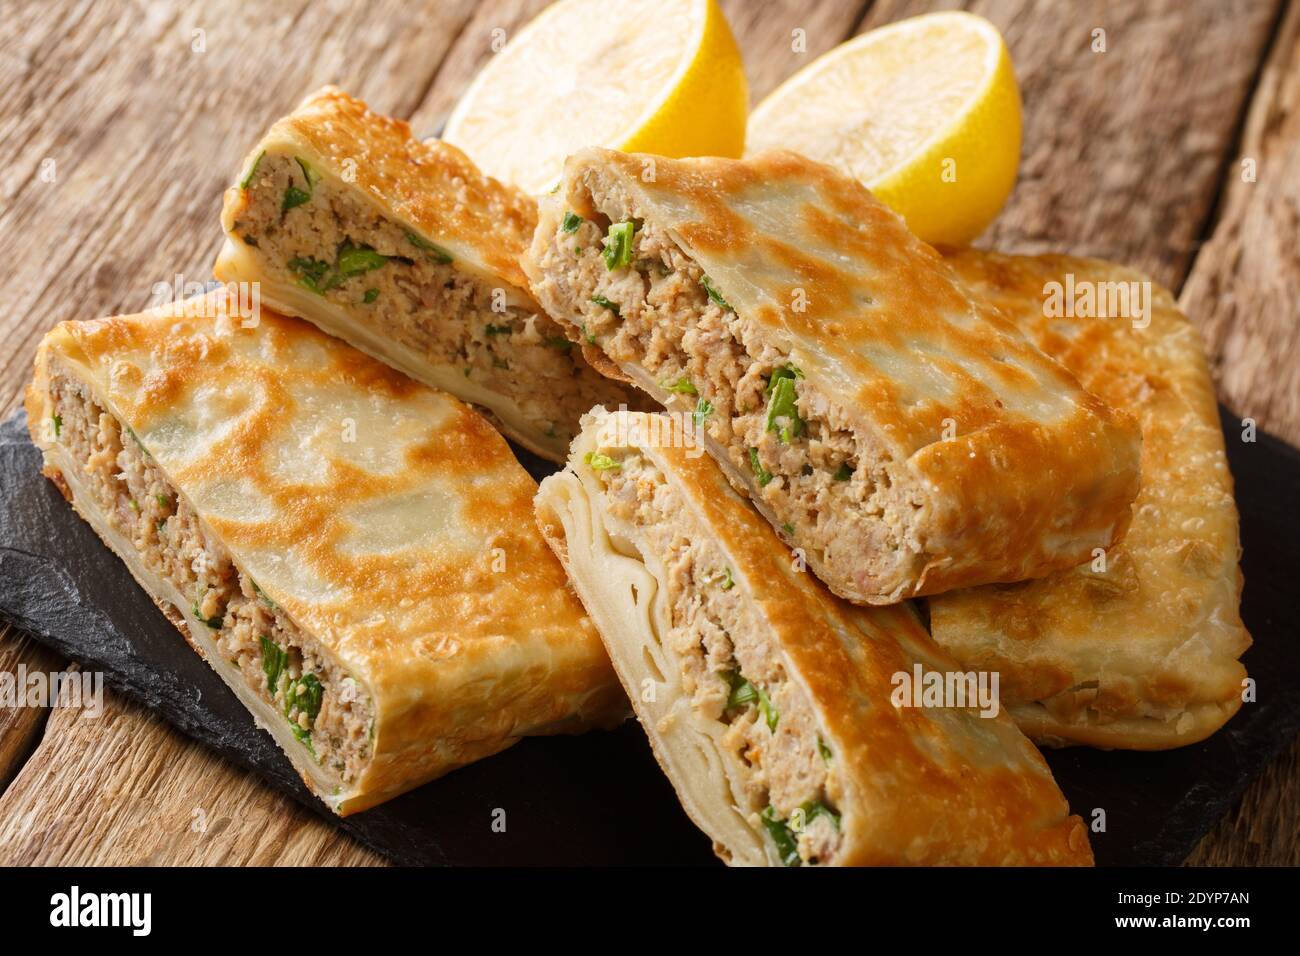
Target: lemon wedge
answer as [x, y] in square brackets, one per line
[925, 112]
[655, 76]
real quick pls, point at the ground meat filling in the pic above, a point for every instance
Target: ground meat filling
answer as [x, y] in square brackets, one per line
[335, 246]
[644, 301]
[730, 668]
[325, 708]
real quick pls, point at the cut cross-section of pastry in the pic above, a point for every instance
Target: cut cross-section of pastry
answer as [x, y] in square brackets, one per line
[892, 425]
[352, 551]
[1137, 649]
[409, 253]
[773, 706]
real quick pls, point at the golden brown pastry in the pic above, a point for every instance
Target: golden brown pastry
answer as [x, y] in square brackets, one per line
[770, 703]
[351, 551]
[1139, 650]
[884, 420]
[405, 250]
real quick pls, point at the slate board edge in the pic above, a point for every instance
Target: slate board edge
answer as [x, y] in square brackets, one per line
[1221, 801]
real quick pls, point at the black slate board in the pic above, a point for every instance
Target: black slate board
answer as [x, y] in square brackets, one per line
[601, 798]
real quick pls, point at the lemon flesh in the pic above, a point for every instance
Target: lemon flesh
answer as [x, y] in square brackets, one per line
[925, 112]
[656, 76]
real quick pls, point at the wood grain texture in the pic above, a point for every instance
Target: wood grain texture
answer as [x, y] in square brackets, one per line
[20, 727]
[487, 30]
[1242, 292]
[1245, 284]
[1123, 150]
[766, 33]
[124, 789]
[1264, 828]
[145, 132]
[1124, 155]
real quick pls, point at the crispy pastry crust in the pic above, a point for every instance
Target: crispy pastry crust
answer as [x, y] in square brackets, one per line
[1145, 654]
[427, 184]
[433, 189]
[385, 518]
[918, 785]
[1017, 471]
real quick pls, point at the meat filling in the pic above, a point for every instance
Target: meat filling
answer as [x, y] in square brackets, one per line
[335, 246]
[834, 491]
[730, 667]
[326, 709]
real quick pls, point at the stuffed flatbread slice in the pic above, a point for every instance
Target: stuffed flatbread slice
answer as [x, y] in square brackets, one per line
[351, 551]
[885, 420]
[769, 702]
[405, 250]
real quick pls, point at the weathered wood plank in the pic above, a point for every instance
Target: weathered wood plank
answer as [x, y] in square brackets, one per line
[21, 726]
[1123, 150]
[773, 50]
[1244, 287]
[145, 132]
[1242, 292]
[490, 28]
[124, 789]
[1262, 829]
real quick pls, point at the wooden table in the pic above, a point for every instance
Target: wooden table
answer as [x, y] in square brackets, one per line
[123, 122]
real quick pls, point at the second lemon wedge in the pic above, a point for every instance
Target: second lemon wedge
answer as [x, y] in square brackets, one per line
[925, 112]
[655, 76]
